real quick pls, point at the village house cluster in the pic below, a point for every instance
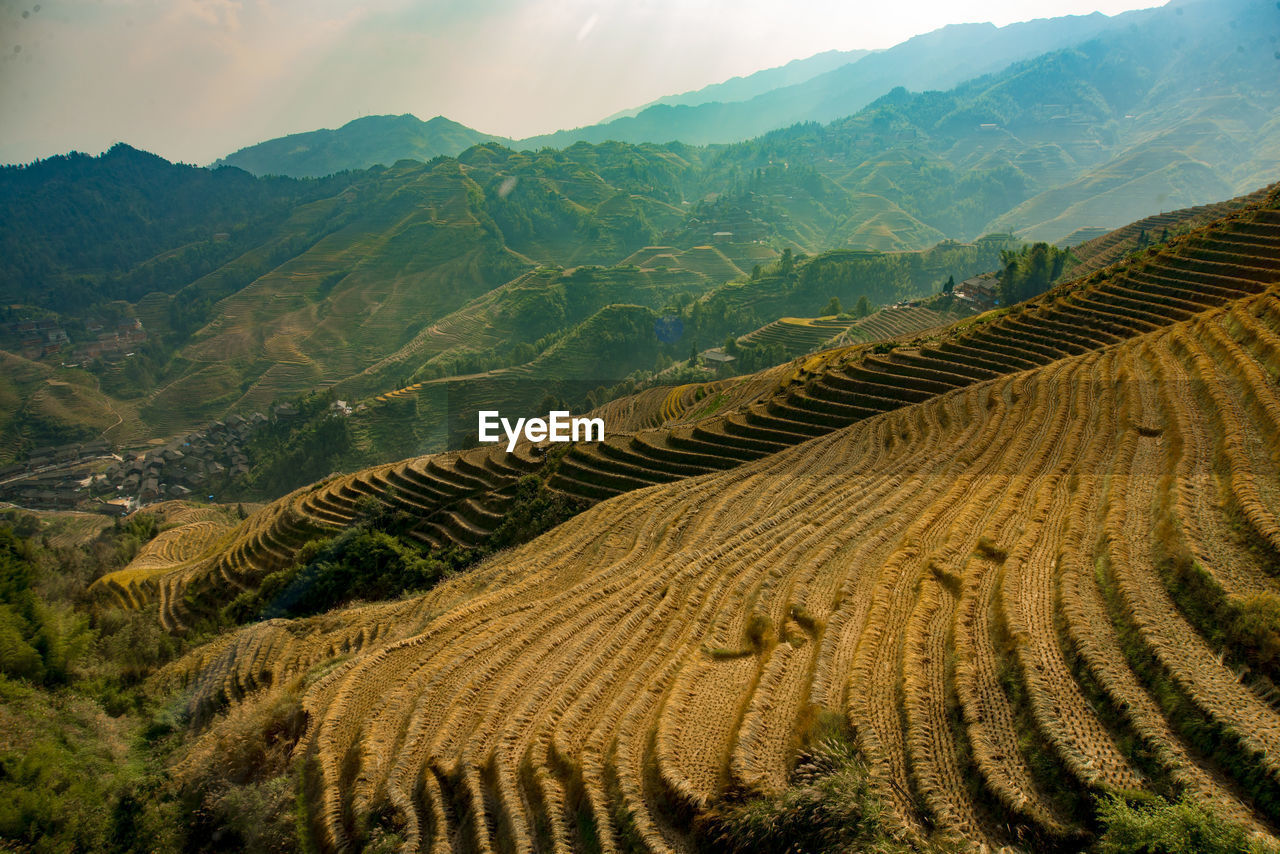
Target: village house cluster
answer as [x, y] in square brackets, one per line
[90, 476]
[196, 464]
[35, 339]
[53, 477]
[120, 340]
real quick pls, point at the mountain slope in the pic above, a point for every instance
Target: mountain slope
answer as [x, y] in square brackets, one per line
[1171, 114]
[1106, 249]
[76, 229]
[359, 144]
[251, 291]
[1190, 96]
[459, 498]
[986, 592]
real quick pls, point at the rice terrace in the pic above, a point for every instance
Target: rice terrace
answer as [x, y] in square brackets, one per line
[876, 452]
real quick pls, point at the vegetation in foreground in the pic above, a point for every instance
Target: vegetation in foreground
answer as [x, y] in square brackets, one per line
[1136, 823]
[81, 743]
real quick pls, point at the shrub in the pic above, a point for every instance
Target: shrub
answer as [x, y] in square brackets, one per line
[1255, 625]
[18, 658]
[358, 563]
[1141, 823]
[759, 628]
[831, 809]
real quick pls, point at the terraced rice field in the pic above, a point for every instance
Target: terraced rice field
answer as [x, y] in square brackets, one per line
[469, 326]
[710, 262]
[191, 533]
[71, 528]
[798, 335]
[896, 321]
[1109, 248]
[980, 575]
[837, 388]
[459, 497]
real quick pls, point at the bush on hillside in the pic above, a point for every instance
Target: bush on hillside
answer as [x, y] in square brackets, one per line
[1140, 823]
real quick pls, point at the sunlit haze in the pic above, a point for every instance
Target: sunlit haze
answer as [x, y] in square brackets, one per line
[196, 79]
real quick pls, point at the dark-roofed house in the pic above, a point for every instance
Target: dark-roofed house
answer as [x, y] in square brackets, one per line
[979, 290]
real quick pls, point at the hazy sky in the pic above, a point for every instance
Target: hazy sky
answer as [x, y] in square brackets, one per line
[193, 80]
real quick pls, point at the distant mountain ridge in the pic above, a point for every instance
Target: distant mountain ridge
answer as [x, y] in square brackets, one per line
[937, 60]
[750, 85]
[359, 144]
[819, 88]
[1177, 112]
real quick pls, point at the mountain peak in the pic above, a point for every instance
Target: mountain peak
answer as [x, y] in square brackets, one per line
[359, 144]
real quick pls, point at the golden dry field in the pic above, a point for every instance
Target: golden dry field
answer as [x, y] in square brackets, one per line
[802, 334]
[1024, 561]
[190, 533]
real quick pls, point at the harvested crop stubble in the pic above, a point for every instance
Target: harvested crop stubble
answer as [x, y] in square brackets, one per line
[971, 578]
[169, 554]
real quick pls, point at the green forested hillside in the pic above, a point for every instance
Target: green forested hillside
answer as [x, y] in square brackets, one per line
[489, 355]
[76, 229]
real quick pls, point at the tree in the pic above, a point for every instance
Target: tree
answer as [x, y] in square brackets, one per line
[949, 285]
[1006, 284]
[1028, 272]
[550, 403]
[833, 307]
[863, 307]
[520, 354]
[787, 263]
